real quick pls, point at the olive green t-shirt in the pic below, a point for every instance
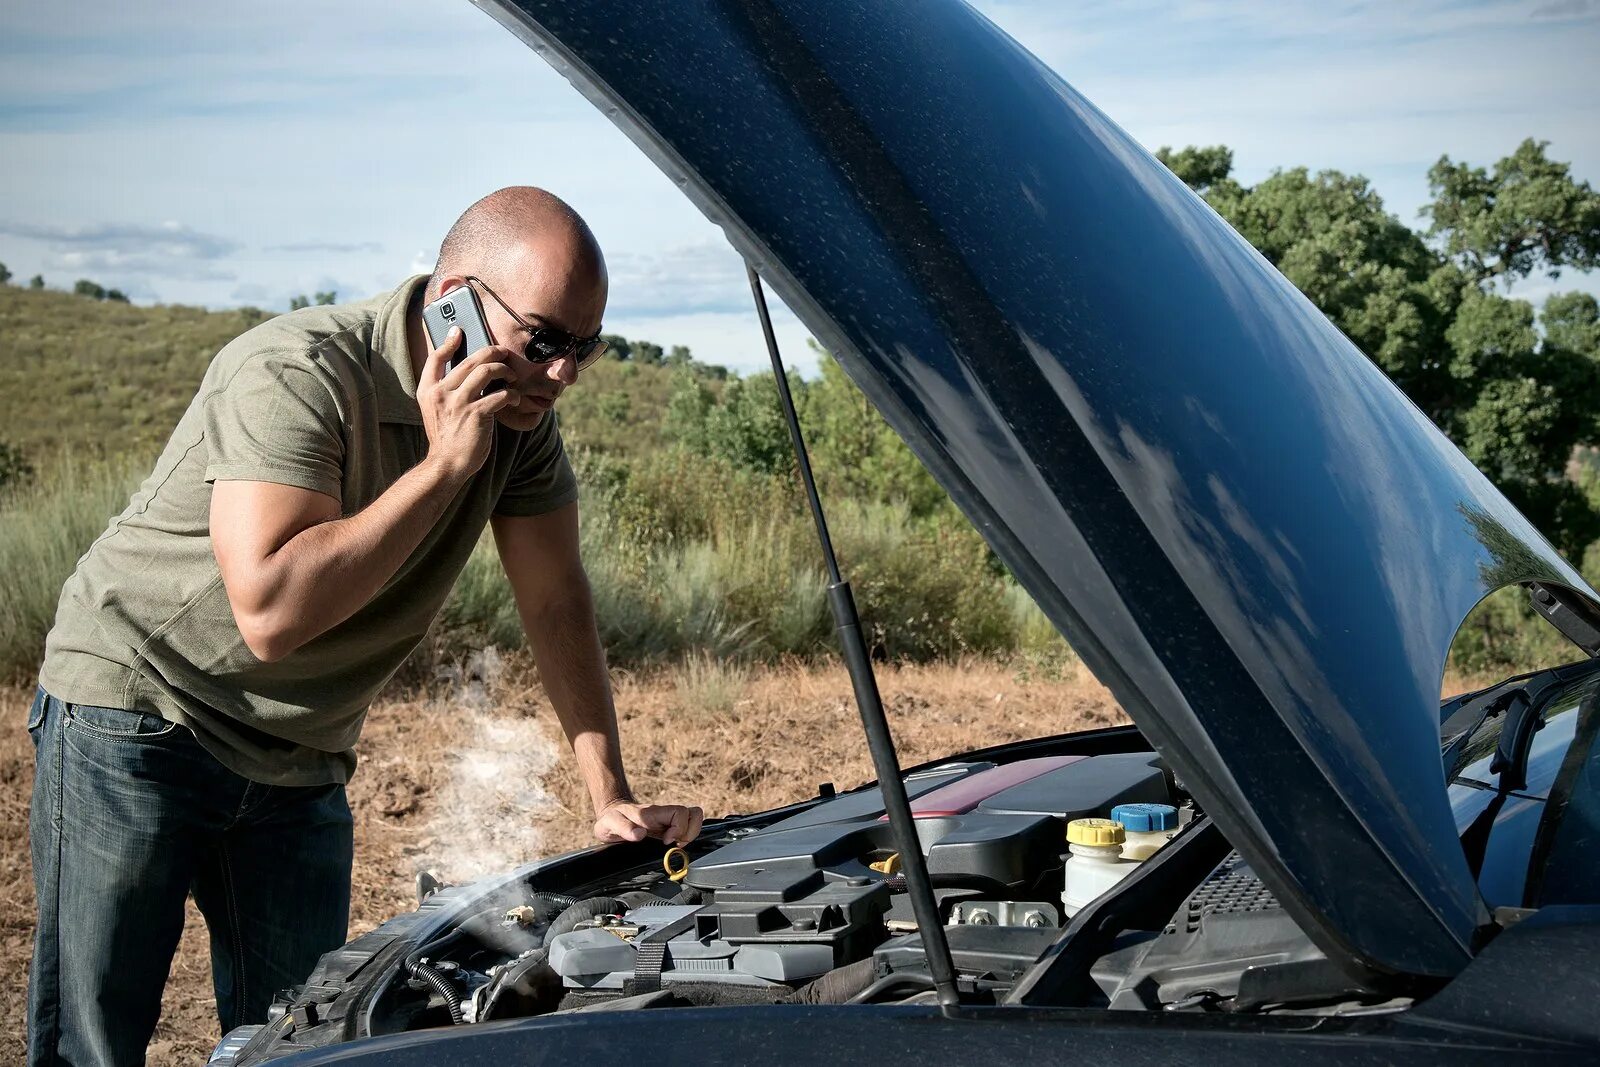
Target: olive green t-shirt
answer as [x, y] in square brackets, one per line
[325, 399]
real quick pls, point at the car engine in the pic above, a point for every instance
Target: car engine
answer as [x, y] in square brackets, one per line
[808, 906]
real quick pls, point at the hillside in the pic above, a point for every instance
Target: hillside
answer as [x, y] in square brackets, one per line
[101, 378]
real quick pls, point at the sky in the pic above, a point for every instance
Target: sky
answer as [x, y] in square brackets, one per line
[224, 153]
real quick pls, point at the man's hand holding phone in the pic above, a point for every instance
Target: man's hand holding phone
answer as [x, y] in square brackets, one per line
[456, 414]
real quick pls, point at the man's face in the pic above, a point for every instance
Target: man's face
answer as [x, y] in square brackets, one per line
[553, 287]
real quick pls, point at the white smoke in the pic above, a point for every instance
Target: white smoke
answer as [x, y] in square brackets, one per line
[487, 816]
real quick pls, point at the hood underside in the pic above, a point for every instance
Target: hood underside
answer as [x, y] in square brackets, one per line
[1241, 525]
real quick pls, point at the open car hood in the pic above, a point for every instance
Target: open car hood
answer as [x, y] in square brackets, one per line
[1241, 525]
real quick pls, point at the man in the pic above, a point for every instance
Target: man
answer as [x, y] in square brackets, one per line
[215, 652]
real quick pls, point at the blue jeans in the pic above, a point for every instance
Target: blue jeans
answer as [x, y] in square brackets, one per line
[129, 816]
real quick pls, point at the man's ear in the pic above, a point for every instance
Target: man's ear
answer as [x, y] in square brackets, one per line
[451, 281]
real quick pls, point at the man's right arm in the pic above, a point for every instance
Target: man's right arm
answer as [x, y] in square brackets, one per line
[294, 569]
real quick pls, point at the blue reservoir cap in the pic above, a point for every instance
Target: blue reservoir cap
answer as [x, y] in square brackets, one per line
[1141, 818]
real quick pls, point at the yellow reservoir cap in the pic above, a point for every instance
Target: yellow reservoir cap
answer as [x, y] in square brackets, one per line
[1095, 832]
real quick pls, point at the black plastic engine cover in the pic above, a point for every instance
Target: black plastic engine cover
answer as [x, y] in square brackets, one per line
[1088, 788]
[814, 907]
[1006, 850]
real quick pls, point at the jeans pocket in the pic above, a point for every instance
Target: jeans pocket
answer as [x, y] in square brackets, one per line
[118, 724]
[36, 712]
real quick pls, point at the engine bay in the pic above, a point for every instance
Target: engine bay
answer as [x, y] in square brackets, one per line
[811, 908]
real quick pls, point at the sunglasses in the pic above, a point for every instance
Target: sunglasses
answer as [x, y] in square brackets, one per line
[546, 344]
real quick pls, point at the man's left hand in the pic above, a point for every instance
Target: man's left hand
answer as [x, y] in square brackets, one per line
[674, 824]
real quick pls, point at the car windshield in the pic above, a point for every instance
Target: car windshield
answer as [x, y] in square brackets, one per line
[1528, 831]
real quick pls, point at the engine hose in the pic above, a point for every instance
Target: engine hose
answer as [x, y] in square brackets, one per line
[688, 895]
[583, 909]
[546, 906]
[434, 947]
[641, 898]
[838, 986]
[889, 981]
[452, 1000]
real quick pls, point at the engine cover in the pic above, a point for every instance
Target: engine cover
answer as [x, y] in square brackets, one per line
[775, 929]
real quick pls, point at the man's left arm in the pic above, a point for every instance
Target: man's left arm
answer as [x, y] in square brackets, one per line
[540, 556]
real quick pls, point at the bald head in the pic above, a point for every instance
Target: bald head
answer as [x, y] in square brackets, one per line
[530, 242]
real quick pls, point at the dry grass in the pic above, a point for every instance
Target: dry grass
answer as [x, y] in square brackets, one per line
[470, 778]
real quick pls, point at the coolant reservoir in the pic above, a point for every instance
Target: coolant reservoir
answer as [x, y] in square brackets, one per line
[1146, 827]
[1095, 863]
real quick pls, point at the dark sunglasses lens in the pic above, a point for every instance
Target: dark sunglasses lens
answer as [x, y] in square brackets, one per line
[547, 345]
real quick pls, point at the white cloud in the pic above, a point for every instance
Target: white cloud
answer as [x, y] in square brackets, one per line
[116, 265]
[329, 247]
[128, 255]
[1568, 9]
[684, 279]
[167, 241]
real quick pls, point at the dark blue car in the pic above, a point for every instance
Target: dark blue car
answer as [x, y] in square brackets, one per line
[1241, 525]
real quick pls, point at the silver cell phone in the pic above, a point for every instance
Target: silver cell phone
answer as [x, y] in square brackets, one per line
[459, 307]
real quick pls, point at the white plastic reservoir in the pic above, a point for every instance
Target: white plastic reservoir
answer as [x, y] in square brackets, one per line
[1095, 863]
[1145, 828]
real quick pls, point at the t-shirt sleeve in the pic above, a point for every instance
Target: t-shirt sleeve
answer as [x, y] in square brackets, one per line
[543, 479]
[275, 419]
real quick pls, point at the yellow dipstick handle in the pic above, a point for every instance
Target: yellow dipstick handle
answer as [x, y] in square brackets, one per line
[676, 864]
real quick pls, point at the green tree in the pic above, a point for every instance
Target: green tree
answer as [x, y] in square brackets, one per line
[36, 282]
[1529, 215]
[325, 298]
[618, 347]
[5, 275]
[85, 287]
[1425, 308]
[1198, 168]
[747, 427]
[117, 295]
[688, 407]
[298, 302]
[856, 452]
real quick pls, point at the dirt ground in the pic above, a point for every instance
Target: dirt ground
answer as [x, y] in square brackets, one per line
[473, 777]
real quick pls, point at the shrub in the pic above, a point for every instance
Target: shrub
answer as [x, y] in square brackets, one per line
[45, 528]
[706, 685]
[923, 591]
[687, 556]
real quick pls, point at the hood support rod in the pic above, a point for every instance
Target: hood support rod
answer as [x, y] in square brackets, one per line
[847, 623]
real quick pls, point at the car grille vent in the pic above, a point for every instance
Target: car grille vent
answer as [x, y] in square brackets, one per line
[1231, 888]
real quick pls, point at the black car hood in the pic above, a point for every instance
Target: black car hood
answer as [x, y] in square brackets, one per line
[1241, 525]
